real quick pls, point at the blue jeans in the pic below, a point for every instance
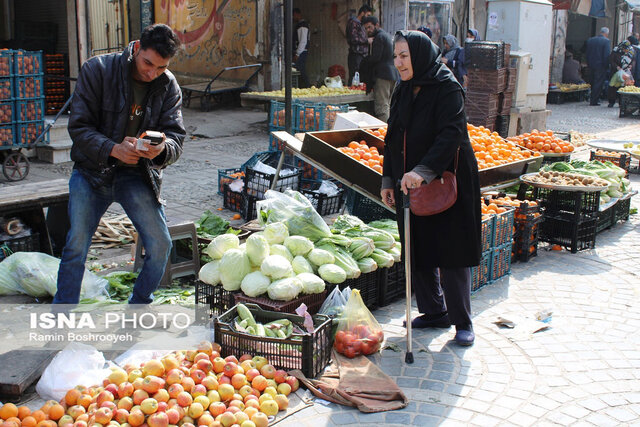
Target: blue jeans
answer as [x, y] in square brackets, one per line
[87, 205]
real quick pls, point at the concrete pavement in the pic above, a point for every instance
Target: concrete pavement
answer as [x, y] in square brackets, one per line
[583, 370]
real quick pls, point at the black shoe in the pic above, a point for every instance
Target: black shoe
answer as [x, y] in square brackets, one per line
[611, 105]
[597, 103]
[430, 321]
[464, 335]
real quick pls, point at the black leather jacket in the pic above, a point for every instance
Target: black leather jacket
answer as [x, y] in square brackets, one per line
[99, 114]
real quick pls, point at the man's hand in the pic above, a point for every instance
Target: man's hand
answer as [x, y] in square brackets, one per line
[153, 151]
[126, 151]
[388, 197]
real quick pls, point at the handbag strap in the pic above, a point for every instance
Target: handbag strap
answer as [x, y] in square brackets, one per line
[404, 156]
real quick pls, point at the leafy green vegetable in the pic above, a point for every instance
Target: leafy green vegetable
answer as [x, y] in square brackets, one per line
[211, 225]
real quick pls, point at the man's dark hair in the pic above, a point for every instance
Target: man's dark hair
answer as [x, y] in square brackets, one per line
[161, 38]
[632, 40]
[425, 30]
[371, 19]
[296, 10]
[365, 8]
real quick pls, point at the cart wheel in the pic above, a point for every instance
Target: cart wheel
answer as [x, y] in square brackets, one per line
[205, 103]
[16, 167]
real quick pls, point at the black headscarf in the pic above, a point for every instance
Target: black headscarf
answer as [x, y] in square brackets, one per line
[427, 71]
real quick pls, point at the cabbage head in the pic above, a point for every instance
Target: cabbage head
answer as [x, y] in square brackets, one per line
[367, 265]
[210, 273]
[285, 289]
[332, 273]
[234, 265]
[311, 284]
[257, 249]
[276, 232]
[255, 284]
[298, 245]
[301, 265]
[320, 257]
[221, 244]
[276, 267]
[281, 250]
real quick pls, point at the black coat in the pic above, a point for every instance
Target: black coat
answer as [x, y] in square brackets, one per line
[435, 128]
[99, 115]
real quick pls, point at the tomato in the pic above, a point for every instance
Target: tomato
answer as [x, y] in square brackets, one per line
[361, 330]
[348, 339]
[367, 347]
[339, 346]
[373, 338]
[340, 336]
[350, 352]
[357, 346]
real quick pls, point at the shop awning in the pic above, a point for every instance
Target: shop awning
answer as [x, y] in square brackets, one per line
[632, 6]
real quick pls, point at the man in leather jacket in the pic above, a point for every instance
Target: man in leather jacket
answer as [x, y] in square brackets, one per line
[118, 97]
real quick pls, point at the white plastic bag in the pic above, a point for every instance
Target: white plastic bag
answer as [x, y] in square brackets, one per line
[334, 305]
[76, 364]
[36, 274]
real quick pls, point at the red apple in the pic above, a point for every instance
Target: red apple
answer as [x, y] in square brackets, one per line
[293, 382]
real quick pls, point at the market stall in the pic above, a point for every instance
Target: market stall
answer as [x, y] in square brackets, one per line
[324, 95]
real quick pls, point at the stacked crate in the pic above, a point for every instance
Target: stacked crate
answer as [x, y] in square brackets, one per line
[56, 91]
[490, 85]
[29, 96]
[7, 116]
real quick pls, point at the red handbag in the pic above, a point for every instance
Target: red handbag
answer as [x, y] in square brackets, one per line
[437, 196]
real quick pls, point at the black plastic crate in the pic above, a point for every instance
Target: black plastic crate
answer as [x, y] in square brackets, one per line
[481, 274]
[324, 205]
[502, 125]
[501, 261]
[257, 183]
[481, 105]
[366, 209]
[232, 200]
[577, 203]
[606, 218]
[227, 176]
[620, 160]
[249, 210]
[7, 113]
[486, 55]
[6, 88]
[308, 352]
[560, 97]
[629, 104]
[367, 284]
[622, 210]
[525, 238]
[512, 75]
[312, 301]
[392, 284]
[547, 160]
[565, 230]
[216, 298]
[30, 243]
[503, 228]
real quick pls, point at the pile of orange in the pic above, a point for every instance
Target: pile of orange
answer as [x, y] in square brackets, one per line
[491, 150]
[543, 142]
[366, 155]
[490, 209]
[380, 132]
[21, 416]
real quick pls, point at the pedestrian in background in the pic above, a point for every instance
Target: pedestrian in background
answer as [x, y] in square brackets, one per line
[425, 30]
[380, 65]
[110, 167]
[428, 117]
[453, 58]
[571, 70]
[357, 40]
[598, 49]
[301, 38]
[472, 35]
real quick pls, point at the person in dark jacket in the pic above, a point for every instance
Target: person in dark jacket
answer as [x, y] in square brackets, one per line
[453, 57]
[357, 40]
[598, 49]
[383, 74]
[571, 70]
[119, 96]
[301, 39]
[427, 111]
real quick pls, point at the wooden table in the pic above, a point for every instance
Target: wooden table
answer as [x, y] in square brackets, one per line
[27, 201]
[252, 100]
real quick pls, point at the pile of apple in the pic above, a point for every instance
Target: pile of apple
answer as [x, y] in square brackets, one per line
[187, 388]
[359, 340]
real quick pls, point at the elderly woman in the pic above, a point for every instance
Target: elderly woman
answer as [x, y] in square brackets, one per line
[453, 57]
[428, 117]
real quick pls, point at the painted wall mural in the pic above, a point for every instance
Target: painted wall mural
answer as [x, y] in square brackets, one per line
[215, 33]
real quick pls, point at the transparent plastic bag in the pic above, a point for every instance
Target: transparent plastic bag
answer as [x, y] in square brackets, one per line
[36, 274]
[76, 364]
[359, 333]
[333, 306]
